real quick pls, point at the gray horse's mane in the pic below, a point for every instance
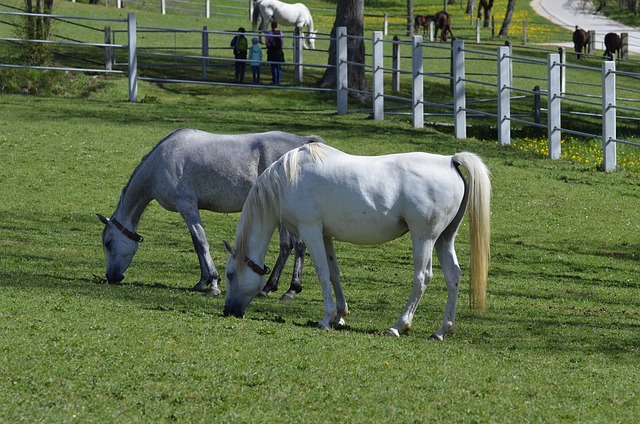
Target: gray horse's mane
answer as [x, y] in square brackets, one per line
[266, 194]
[144, 158]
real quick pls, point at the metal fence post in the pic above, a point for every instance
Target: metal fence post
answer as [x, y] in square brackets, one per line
[298, 47]
[553, 105]
[133, 57]
[378, 76]
[342, 83]
[395, 75]
[459, 90]
[504, 96]
[563, 71]
[418, 83]
[205, 51]
[609, 115]
[108, 51]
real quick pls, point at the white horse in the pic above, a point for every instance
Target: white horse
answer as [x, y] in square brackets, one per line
[297, 15]
[190, 170]
[321, 193]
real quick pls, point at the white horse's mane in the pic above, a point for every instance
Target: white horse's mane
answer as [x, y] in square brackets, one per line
[264, 198]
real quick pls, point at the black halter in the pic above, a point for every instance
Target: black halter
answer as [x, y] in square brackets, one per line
[256, 268]
[132, 235]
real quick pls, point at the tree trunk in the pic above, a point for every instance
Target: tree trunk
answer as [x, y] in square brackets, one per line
[349, 14]
[504, 30]
[409, 18]
[37, 28]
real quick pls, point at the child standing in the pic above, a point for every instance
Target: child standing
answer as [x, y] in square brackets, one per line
[255, 59]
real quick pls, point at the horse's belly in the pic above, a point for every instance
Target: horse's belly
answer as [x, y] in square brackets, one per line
[362, 229]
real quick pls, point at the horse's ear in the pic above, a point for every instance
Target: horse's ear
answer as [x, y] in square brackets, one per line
[229, 248]
[104, 220]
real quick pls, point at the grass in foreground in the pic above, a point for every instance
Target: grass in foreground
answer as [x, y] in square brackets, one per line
[558, 343]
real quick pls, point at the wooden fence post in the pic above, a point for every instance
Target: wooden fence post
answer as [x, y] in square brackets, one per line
[459, 89]
[504, 96]
[342, 83]
[298, 48]
[133, 57]
[609, 115]
[417, 100]
[378, 76]
[553, 105]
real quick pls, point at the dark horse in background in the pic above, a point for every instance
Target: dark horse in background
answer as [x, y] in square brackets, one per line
[612, 44]
[442, 22]
[581, 41]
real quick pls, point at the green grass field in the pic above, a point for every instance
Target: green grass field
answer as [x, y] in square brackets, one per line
[559, 341]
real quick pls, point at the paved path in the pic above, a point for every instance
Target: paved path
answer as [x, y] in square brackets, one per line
[569, 13]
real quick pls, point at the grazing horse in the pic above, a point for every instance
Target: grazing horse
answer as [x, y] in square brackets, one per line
[286, 14]
[581, 41]
[442, 21]
[190, 170]
[612, 44]
[420, 21]
[321, 193]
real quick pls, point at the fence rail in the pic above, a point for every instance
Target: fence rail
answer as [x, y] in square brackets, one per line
[458, 105]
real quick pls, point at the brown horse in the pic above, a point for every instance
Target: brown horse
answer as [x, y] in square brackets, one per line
[443, 22]
[613, 44]
[581, 41]
[420, 21]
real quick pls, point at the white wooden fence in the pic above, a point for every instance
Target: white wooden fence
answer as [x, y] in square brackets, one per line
[459, 105]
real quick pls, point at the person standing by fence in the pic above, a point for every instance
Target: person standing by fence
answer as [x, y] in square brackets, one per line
[275, 54]
[240, 47]
[255, 59]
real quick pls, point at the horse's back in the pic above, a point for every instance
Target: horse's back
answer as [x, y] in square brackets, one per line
[216, 170]
[349, 195]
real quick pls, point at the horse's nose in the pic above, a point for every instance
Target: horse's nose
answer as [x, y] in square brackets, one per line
[114, 278]
[233, 310]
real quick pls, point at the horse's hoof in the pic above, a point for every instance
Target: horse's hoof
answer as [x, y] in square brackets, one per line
[391, 332]
[288, 296]
[324, 327]
[339, 324]
[437, 337]
[214, 291]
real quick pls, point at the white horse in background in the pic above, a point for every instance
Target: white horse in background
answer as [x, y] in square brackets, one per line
[321, 193]
[286, 14]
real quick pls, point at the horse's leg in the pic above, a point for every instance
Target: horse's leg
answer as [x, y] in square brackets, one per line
[315, 243]
[285, 250]
[342, 309]
[422, 274]
[208, 272]
[452, 274]
[296, 279]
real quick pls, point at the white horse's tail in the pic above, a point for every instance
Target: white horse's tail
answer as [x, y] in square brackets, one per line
[479, 197]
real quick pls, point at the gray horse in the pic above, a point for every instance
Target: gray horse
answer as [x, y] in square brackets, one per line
[190, 170]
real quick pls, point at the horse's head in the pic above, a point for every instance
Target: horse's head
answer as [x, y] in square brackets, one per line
[312, 39]
[120, 245]
[244, 282]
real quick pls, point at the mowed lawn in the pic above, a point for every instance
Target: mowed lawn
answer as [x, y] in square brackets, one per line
[558, 343]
